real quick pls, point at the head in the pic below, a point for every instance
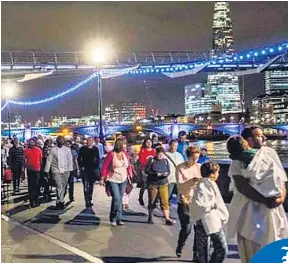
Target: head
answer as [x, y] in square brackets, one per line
[193, 154]
[16, 141]
[48, 143]
[90, 141]
[182, 136]
[68, 143]
[154, 138]
[147, 143]
[32, 143]
[96, 139]
[75, 135]
[173, 144]
[60, 141]
[210, 170]
[119, 145]
[236, 145]
[160, 153]
[254, 136]
[40, 143]
[203, 151]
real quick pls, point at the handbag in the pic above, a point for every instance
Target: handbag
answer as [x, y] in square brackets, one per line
[8, 176]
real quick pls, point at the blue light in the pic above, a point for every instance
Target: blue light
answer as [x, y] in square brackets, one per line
[256, 54]
[152, 70]
[248, 55]
[162, 69]
[280, 48]
[57, 96]
[214, 62]
[157, 70]
[167, 69]
[263, 52]
[191, 66]
[241, 57]
[171, 69]
[5, 105]
[221, 60]
[271, 50]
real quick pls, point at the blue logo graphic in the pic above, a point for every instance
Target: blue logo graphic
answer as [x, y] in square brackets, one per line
[276, 252]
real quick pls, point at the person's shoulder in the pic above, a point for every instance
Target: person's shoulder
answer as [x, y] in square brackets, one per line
[235, 168]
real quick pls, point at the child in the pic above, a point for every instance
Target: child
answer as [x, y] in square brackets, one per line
[209, 212]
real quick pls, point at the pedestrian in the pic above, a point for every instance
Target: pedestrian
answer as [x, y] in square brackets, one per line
[188, 175]
[210, 215]
[182, 144]
[174, 159]
[114, 174]
[16, 154]
[88, 161]
[203, 156]
[100, 147]
[256, 220]
[74, 173]
[158, 171]
[32, 162]
[146, 152]
[60, 162]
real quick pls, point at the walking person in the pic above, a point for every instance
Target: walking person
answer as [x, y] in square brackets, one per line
[114, 174]
[32, 162]
[203, 156]
[182, 144]
[74, 173]
[100, 147]
[16, 154]
[188, 175]
[174, 159]
[88, 161]
[60, 162]
[158, 171]
[146, 152]
[256, 219]
[210, 215]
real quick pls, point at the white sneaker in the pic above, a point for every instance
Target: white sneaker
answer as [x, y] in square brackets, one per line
[113, 224]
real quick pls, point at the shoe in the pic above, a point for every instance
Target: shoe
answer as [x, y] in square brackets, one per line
[91, 204]
[17, 191]
[120, 223]
[71, 199]
[88, 205]
[150, 220]
[141, 202]
[32, 205]
[169, 222]
[113, 224]
[179, 252]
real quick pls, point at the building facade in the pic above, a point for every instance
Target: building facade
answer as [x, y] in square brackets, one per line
[125, 112]
[224, 86]
[276, 80]
[198, 99]
[270, 108]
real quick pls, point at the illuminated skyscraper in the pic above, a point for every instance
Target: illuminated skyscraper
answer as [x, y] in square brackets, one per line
[224, 86]
[276, 80]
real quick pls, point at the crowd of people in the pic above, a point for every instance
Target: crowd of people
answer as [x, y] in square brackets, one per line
[256, 215]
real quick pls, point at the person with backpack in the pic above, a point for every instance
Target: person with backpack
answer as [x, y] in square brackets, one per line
[174, 159]
[158, 171]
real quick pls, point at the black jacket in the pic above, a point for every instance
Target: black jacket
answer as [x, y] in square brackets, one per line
[89, 157]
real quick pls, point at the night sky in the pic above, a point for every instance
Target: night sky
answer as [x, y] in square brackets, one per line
[131, 26]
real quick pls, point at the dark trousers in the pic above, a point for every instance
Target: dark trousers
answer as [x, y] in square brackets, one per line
[88, 180]
[204, 242]
[33, 185]
[117, 191]
[144, 184]
[44, 182]
[71, 185]
[186, 226]
[171, 188]
[16, 170]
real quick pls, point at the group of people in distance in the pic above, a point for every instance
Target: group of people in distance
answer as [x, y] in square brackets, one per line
[256, 215]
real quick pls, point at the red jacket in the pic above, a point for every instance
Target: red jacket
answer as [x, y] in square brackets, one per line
[107, 166]
[33, 158]
[144, 156]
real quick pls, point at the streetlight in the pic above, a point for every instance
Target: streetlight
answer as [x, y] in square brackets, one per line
[9, 92]
[99, 56]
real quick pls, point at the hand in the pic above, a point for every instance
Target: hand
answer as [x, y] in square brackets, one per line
[102, 182]
[273, 202]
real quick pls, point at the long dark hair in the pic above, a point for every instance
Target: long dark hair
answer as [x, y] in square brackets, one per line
[144, 143]
[119, 145]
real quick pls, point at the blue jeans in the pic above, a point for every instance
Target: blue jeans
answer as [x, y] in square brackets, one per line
[117, 191]
[170, 189]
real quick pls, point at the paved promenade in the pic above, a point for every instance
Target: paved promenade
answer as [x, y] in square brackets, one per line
[84, 235]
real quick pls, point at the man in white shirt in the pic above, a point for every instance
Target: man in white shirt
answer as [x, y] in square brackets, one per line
[249, 214]
[61, 163]
[100, 147]
[174, 159]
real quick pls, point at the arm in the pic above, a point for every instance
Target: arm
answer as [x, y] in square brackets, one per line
[247, 190]
[49, 162]
[106, 164]
[70, 160]
[148, 166]
[280, 200]
[80, 163]
[97, 157]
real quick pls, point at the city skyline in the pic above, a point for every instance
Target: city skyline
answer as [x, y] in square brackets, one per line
[167, 95]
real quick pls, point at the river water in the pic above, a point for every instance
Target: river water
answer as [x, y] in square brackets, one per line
[217, 150]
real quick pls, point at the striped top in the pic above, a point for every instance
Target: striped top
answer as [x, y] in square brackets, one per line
[16, 155]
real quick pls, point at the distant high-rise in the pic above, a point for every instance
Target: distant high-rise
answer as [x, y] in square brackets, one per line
[224, 86]
[276, 80]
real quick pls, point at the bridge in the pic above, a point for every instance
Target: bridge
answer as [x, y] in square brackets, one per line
[187, 63]
[165, 129]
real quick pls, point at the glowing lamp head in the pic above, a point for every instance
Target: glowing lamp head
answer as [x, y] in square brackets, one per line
[9, 90]
[99, 54]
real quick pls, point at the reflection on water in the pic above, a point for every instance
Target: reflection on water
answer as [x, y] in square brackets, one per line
[217, 150]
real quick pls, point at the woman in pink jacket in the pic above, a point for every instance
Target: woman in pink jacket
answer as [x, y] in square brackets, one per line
[116, 171]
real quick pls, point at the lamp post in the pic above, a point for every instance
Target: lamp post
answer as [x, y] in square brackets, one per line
[99, 56]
